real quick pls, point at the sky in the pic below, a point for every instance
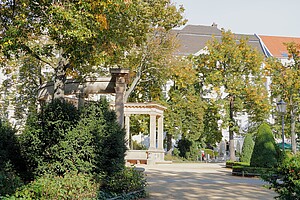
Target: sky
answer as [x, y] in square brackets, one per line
[263, 17]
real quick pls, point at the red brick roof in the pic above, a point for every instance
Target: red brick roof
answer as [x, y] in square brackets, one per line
[275, 44]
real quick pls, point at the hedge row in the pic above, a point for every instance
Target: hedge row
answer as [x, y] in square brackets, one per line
[251, 171]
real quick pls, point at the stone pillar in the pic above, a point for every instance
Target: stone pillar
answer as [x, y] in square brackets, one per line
[120, 76]
[80, 96]
[127, 128]
[160, 133]
[152, 132]
[119, 102]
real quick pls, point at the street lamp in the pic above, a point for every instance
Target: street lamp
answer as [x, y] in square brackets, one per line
[281, 107]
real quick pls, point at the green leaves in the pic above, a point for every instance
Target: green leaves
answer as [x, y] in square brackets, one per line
[57, 141]
[288, 172]
[247, 149]
[285, 85]
[72, 185]
[232, 69]
[265, 152]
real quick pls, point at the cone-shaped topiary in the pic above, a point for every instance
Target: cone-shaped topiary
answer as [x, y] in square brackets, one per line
[247, 149]
[265, 152]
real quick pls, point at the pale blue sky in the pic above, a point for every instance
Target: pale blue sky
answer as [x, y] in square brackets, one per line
[265, 17]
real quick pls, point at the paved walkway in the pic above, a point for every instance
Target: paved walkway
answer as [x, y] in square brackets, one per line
[201, 181]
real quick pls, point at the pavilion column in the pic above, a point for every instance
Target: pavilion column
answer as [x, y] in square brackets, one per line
[152, 132]
[127, 128]
[160, 133]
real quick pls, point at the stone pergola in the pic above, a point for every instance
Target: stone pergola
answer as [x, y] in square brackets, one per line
[117, 84]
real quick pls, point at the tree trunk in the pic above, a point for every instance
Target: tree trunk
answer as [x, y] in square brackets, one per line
[169, 143]
[133, 84]
[60, 80]
[231, 133]
[293, 139]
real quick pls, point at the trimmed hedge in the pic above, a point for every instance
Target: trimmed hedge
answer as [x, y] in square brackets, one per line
[250, 171]
[230, 164]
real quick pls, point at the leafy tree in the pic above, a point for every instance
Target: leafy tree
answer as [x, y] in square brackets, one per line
[188, 149]
[21, 86]
[212, 133]
[151, 65]
[184, 116]
[285, 85]
[265, 152]
[78, 37]
[247, 149]
[229, 70]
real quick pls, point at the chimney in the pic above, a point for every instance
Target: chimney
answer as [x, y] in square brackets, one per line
[214, 25]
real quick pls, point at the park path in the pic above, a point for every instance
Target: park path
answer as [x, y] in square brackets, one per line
[186, 181]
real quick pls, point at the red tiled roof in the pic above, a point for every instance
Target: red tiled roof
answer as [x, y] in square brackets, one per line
[275, 44]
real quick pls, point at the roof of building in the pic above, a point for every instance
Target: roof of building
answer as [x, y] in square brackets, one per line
[193, 38]
[275, 45]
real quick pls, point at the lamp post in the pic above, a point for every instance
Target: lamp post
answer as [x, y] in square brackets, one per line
[281, 107]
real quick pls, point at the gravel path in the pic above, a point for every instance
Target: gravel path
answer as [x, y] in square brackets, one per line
[201, 181]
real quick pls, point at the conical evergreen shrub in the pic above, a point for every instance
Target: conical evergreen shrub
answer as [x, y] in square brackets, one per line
[265, 152]
[247, 149]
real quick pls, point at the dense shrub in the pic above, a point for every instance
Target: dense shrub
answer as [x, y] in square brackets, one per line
[11, 164]
[108, 138]
[122, 182]
[45, 136]
[70, 186]
[169, 157]
[286, 179]
[265, 153]
[9, 146]
[9, 180]
[247, 149]
[188, 149]
[56, 141]
[57, 118]
[65, 149]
